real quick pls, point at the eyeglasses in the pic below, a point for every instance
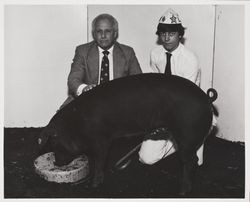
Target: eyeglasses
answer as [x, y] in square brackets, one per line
[164, 34]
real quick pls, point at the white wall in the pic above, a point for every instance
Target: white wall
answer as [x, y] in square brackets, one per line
[229, 71]
[39, 47]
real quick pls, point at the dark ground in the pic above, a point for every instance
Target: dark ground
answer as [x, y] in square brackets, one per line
[221, 176]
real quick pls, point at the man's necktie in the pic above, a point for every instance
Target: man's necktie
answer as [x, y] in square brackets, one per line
[168, 65]
[104, 68]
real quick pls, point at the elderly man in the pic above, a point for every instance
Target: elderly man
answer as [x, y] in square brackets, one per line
[100, 60]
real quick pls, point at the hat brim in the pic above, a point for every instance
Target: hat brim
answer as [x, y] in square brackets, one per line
[162, 28]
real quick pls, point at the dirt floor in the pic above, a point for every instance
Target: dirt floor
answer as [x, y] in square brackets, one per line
[221, 176]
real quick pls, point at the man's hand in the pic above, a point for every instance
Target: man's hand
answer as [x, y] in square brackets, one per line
[88, 87]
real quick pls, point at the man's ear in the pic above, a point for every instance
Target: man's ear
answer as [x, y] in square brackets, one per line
[116, 34]
[93, 35]
[44, 136]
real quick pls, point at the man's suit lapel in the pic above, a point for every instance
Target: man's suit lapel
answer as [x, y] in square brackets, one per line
[119, 61]
[93, 62]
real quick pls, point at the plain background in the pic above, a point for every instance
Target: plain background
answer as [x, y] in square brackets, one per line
[40, 41]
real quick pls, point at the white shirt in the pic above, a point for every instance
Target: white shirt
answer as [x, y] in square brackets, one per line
[184, 62]
[111, 72]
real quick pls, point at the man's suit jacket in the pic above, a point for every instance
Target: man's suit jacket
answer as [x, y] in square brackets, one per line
[85, 66]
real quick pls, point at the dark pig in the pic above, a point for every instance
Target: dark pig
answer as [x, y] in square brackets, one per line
[127, 106]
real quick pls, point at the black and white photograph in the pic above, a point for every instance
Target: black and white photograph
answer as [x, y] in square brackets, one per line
[106, 100]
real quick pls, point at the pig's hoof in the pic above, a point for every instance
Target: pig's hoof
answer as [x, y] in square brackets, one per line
[182, 193]
[97, 181]
[185, 189]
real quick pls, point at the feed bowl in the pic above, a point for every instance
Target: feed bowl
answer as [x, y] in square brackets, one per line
[75, 171]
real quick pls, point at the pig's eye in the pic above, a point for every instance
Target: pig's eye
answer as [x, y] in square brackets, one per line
[39, 140]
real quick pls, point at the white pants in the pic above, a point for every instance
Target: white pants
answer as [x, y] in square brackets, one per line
[152, 151]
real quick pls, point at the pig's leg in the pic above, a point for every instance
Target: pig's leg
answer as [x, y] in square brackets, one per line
[187, 152]
[100, 152]
[189, 167]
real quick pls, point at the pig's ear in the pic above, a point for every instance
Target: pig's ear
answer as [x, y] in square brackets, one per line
[44, 136]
